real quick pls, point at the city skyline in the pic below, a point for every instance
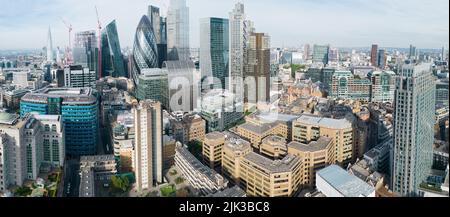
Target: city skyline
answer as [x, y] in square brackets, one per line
[360, 24]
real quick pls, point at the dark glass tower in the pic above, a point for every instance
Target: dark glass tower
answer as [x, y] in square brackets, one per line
[112, 59]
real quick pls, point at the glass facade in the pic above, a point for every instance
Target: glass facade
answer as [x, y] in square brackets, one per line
[178, 31]
[214, 50]
[413, 128]
[79, 117]
[145, 50]
[112, 58]
[320, 53]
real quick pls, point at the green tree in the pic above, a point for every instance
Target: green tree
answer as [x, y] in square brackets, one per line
[120, 183]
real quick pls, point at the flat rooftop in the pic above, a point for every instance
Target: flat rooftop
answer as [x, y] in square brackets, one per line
[69, 95]
[325, 122]
[273, 166]
[8, 118]
[345, 183]
[234, 191]
[313, 146]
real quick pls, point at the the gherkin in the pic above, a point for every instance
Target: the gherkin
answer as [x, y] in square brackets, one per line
[145, 50]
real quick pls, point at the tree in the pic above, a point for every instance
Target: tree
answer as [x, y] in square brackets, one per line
[120, 183]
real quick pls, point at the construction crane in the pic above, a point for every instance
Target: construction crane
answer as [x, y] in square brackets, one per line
[99, 43]
[68, 50]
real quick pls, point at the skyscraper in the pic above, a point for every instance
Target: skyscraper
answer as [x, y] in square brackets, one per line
[85, 50]
[49, 46]
[112, 58]
[214, 50]
[178, 31]
[258, 68]
[374, 55]
[443, 57]
[412, 52]
[160, 30]
[239, 33]
[381, 63]
[333, 55]
[147, 156]
[145, 51]
[320, 53]
[413, 127]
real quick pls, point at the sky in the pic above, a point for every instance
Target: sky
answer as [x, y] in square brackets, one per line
[342, 23]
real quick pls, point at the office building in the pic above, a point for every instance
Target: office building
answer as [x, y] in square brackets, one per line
[85, 50]
[374, 55]
[442, 91]
[153, 84]
[145, 50]
[257, 71]
[212, 149]
[188, 128]
[273, 147]
[309, 128]
[345, 86]
[184, 89]
[334, 181]
[93, 169]
[112, 58]
[220, 111]
[413, 127]
[412, 52]
[148, 143]
[77, 76]
[26, 144]
[314, 156]
[383, 86]
[178, 31]
[239, 35]
[214, 51]
[333, 55]
[382, 58]
[159, 24]
[200, 177]
[233, 153]
[256, 132]
[78, 108]
[320, 54]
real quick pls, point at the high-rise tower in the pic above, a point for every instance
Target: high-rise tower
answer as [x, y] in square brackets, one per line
[178, 31]
[413, 127]
[239, 31]
[49, 46]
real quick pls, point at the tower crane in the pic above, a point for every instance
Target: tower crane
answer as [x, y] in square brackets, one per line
[68, 50]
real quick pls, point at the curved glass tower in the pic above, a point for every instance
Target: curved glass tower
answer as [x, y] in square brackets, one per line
[145, 50]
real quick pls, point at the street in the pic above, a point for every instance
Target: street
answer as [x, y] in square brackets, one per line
[72, 178]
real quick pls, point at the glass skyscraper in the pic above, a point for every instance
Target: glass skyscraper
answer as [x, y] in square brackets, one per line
[85, 50]
[239, 33]
[178, 31]
[214, 50]
[145, 50]
[414, 119]
[320, 53]
[112, 58]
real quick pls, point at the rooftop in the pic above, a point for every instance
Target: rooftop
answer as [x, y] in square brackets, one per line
[273, 166]
[8, 118]
[325, 122]
[68, 95]
[320, 144]
[347, 184]
[234, 191]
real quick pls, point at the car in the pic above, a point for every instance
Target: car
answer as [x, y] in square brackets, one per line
[106, 185]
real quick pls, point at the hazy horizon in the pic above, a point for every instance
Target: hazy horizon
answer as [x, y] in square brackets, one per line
[290, 23]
